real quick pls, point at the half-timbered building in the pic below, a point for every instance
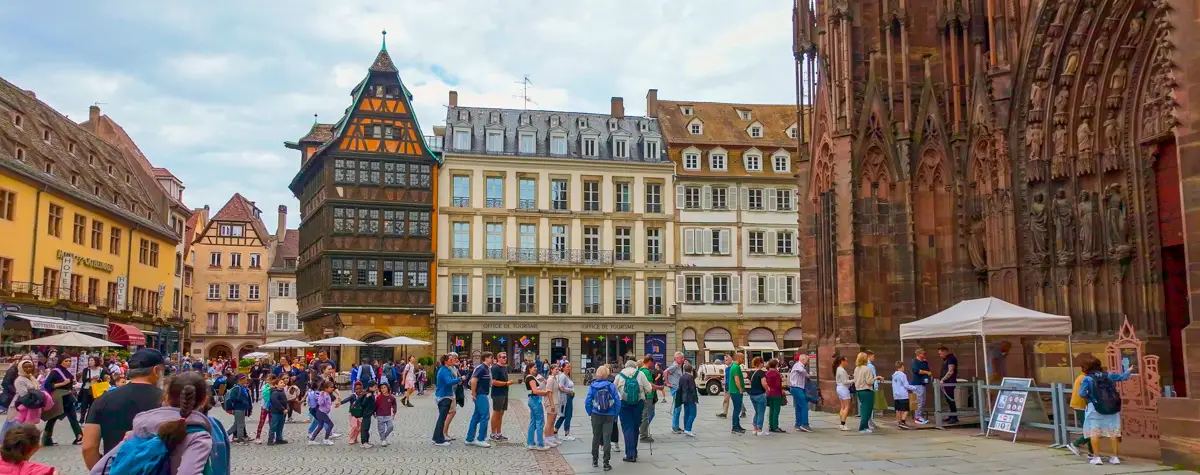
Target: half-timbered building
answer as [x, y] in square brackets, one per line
[366, 188]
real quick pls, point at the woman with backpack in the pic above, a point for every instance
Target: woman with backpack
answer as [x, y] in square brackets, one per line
[603, 406]
[1103, 416]
[180, 426]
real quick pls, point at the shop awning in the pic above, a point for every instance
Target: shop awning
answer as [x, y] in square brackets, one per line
[125, 335]
[761, 346]
[93, 328]
[719, 345]
[46, 323]
[689, 345]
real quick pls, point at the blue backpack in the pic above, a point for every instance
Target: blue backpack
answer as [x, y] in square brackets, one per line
[602, 400]
[148, 455]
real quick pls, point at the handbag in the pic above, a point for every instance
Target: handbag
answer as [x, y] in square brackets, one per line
[99, 388]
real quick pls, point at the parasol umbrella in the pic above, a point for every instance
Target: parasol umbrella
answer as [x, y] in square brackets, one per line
[338, 341]
[285, 344]
[403, 342]
[69, 339]
[255, 355]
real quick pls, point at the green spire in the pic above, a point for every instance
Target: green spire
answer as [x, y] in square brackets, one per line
[314, 119]
[384, 41]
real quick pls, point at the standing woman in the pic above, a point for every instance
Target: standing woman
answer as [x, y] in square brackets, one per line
[774, 395]
[687, 395]
[24, 383]
[447, 381]
[758, 394]
[603, 405]
[1103, 417]
[59, 383]
[841, 384]
[550, 385]
[189, 449]
[94, 373]
[864, 384]
[537, 417]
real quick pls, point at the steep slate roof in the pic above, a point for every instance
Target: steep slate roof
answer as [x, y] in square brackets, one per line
[288, 249]
[241, 210]
[38, 116]
[723, 125]
[320, 133]
[479, 121]
[109, 128]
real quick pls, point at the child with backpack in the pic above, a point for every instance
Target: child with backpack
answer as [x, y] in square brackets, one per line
[238, 403]
[324, 404]
[265, 403]
[603, 406]
[362, 407]
[385, 410]
[278, 405]
[20, 443]
[177, 438]
[1103, 416]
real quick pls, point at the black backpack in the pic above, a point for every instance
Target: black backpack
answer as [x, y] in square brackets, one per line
[1105, 398]
[33, 400]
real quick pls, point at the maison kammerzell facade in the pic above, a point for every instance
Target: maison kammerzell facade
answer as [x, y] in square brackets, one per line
[1029, 150]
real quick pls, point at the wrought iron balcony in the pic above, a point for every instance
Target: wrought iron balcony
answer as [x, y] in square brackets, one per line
[654, 258]
[589, 257]
[493, 254]
[559, 307]
[210, 330]
[460, 253]
[527, 204]
[624, 207]
[591, 308]
[493, 203]
[461, 202]
[527, 307]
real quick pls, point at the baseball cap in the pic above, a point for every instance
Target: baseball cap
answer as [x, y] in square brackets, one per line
[146, 358]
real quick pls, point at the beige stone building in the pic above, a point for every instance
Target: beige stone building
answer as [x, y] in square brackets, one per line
[555, 235]
[230, 280]
[282, 323]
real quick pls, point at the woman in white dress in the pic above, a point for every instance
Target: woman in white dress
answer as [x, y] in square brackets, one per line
[841, 379]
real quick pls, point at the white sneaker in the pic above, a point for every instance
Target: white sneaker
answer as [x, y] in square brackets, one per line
[843, 427]
[543, 448]
[1114, 460]
[313, 442]
[922, 421]
[384, 443]
[1094, 460]
[258, 441]
[442, 444]
[480, 443]
[334, 435]
[368, 446]
[689, 433]
[551, 440]
[866, 431]
[1073, 449]
[531, 447]
[326, 442]
[567, 438]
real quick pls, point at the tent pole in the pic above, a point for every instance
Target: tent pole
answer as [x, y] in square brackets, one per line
[1070, 355]
[987, 373]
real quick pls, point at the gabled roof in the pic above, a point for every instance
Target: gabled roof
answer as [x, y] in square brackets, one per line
[241, 210]
[478, 119]
[724, 126]
[112, 132]
[288, 249]
[383, 62]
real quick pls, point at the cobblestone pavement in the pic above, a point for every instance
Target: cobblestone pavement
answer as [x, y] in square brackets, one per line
[714, 450]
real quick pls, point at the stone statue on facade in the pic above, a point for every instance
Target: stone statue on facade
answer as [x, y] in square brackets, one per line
[977, 243]
[1061, 100]
[1088, 99]
[1099, 49]
[1111, 143]
[1048, 50]
[1037, 94]
[1071, 68]
[1039, 226]
[1033, 138]
[1116, 227]
[1116, 85]
[1083, 143]
[1089, 234]
[1058, 163]
[1064, 228]
[1085, 21]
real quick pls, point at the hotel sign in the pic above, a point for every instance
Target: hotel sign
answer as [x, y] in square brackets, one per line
[85, 262]
[122, 291]
[64, 276]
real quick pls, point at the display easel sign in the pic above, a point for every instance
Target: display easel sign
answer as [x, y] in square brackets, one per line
[1010, 404]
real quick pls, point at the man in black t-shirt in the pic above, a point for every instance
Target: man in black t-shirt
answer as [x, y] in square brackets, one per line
[500, 384]
[111, 416]
[949, 375]
[481, 386]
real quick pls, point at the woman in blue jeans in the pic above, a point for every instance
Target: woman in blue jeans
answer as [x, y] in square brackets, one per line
[758, 394]
[687, 395]
[444, 395]
[537, 414]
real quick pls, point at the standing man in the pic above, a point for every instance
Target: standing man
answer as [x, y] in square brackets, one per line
[671, 377]
[949, 375]
[798, 386]
[996, 357]
[481, 385]
[632, 388]
[736, 384]
[566, 401]
[921, 377]
[500, 384]
[651, 398]
[111, 416]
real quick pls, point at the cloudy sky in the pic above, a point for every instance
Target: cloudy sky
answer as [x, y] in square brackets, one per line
[212, 89]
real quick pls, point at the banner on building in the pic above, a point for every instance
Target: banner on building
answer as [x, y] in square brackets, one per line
[122, 289]
[162, 290]
[64, 276]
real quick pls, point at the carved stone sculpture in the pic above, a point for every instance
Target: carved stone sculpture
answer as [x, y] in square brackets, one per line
[1111, 143]
[1039, 229]
[1064, 227]
[1085, 21]
[1058, 163]
[1061, 101]
[1072, 66]
[1116, 85]
[1135, 29]
[1083, 143]
[1116, 227]
[1033, 139]
[1060, 15]
[1088, 100]
[977, 243]
[1037, 93]
[1089, 233]
[1048, 51]
[1099, 52]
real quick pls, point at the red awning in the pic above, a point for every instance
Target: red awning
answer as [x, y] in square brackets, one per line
[125, 335]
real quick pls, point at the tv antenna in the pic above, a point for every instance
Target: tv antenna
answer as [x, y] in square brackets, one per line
[524, 96]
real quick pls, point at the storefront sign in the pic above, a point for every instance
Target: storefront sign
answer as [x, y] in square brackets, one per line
[86, 262]
[64, 273]
[122, 290]
[607, 326]
[510, 326]
[656, 346]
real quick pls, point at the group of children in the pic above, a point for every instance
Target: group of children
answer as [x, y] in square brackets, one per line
[370, 402]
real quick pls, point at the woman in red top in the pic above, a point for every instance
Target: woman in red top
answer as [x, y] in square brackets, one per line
[774, 395]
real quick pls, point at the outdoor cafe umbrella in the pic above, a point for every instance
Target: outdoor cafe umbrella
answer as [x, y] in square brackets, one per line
[283, 344]
[338, 341]
[403, 342]
[255, 355]
[69, 339]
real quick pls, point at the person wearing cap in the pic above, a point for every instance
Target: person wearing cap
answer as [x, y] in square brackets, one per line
[111, 416]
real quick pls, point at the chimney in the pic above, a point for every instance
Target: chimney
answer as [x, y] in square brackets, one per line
[652, 103]
[281, 228]
[618, 107]
[453, 98]
[94, 117]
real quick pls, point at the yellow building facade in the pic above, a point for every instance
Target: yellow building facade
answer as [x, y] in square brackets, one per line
[82, 246]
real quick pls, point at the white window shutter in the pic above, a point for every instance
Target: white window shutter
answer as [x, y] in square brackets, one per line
[771, 289]
[753, 282]
[796, 290]
[772, 197]
[708, 293]
[745, 199]
[731, 198]
[724, 244]
[689, 241]
[770, 244]
[735, 288]
[679, 196]
[706, 197]
[703, 241]
[680, 288]
[782, 289]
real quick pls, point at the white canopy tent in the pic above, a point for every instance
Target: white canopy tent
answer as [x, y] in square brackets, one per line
[401, 341]
[987, 316]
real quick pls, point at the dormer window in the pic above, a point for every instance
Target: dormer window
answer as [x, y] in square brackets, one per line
[19, 121]
[558, 143]
[782, 162]
[752, 160]
[555, 121]
[691, 161]
[527, 143]
[792, 132]
[49, 168]
[462, 139]
[696, 128]
[583, 123]
[20, 154]
[756, 132]
[744, 114]
[464, 115]
[612, 125]
[687, 110]
[524, 120]
[717, 160]
[495, 141]
[590, 147]
[495, 118]
[620, 147]
[652, 150]
[91, 159]
[46, 135]
[71, 148]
